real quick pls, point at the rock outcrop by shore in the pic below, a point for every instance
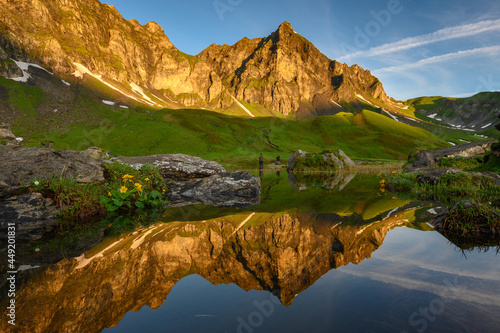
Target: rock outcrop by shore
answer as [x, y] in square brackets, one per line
[191, 180]
[427, 158]
[177, 167]
[330, 160]
[481, 219]
[20, 165]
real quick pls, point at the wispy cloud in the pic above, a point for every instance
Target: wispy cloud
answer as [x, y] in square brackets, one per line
[437, 36]
[482, 51]
[464, 293]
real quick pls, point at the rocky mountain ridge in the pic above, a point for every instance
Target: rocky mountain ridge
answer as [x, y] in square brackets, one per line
[477, 112]
[91, 43]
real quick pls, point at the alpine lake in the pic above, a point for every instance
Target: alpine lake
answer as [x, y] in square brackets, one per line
[321, 253]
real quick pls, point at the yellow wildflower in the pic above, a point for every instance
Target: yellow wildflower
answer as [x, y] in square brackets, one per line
[138, 186]
[127, 177]
[146, 179]
[109, 194]
[123, 189]
[395, 171]
[382, 181]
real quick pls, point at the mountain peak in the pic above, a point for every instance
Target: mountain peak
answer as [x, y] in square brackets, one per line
[284, 31]
[154, 27]
[285, 27]
[283, 72]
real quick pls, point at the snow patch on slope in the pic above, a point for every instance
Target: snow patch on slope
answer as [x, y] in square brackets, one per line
[391, 115]
[23, 66]
[337, 104]
[364, 100]
[243, 107]
[81, 70]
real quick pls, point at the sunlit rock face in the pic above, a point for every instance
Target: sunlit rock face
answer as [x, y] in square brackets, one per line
[286, 73]
[283, 72]
[283, 253]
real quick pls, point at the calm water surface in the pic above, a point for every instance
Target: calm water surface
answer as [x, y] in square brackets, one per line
[318, 255]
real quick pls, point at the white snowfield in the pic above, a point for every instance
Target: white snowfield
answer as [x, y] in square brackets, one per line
[145, 99]
[364, 100]
[243, 107]
[24, 67]
[391, 115]
[337, 104]
[413, 119]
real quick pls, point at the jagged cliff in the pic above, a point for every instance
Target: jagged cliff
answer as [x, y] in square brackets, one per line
[282, 253]
[73, 36]
[79, 39]
[285, 72]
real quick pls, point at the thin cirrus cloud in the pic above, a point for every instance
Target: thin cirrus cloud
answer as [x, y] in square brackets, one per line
[481, 51]
[437, 36]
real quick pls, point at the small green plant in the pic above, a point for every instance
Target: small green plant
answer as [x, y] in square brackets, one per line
[450, 188]
[491, 163]
[459, 163]
[472, 216]
[133, 194]
[76, 201]
[313, 162]
[126, 190]
[37, 185]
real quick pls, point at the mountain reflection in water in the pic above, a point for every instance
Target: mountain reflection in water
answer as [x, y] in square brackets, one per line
[281, 253]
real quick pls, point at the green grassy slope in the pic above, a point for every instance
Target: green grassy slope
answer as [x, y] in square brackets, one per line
[83, 121]
[235, 140]
[482, 106]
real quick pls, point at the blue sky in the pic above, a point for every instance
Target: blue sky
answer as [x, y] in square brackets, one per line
[415, 47]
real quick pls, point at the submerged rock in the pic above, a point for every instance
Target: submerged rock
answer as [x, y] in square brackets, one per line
[32, 214]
